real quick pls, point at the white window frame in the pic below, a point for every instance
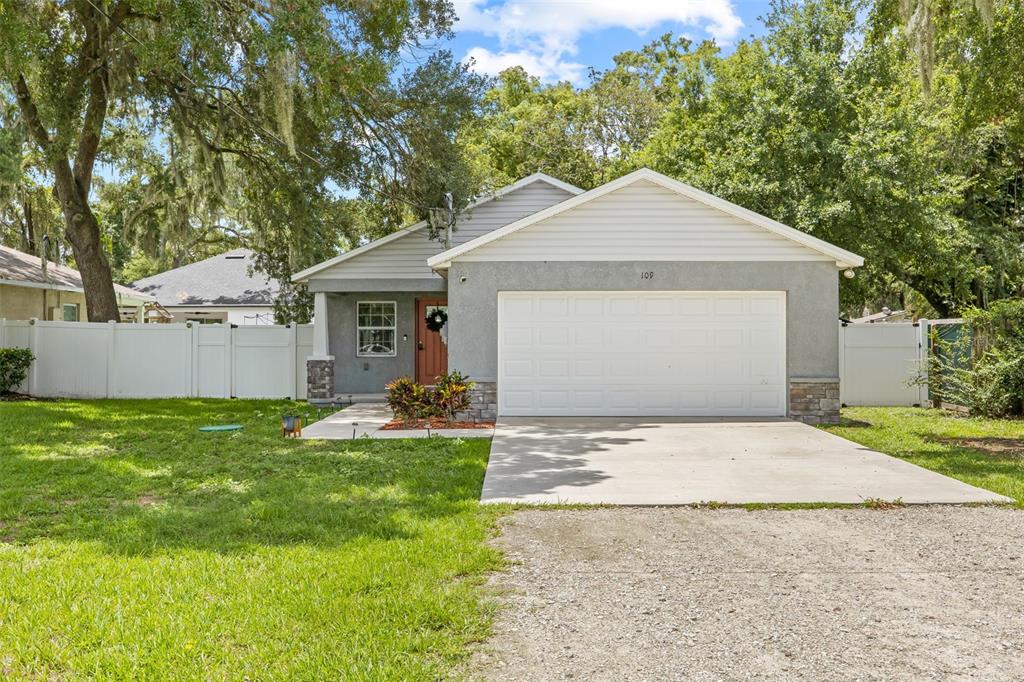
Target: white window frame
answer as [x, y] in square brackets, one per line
[393, 328]
[63, 314]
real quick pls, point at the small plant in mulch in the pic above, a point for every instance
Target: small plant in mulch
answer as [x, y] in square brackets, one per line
[451, 395]
[883, 504]
[409, 400]
[416, 406]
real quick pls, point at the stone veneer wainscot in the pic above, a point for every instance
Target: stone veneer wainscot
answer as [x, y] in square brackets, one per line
[320, 380]
[814, 400]
[483, 402]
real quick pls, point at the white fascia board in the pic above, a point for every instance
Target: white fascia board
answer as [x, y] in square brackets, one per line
[844, 259]
[497, 194]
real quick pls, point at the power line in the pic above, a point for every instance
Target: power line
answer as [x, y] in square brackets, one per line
[260, 128]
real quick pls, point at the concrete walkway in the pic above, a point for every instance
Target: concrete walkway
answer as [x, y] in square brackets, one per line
[661, 461]
[364, 420]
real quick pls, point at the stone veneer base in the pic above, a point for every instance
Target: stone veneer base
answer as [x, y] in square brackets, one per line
[814, 401]
[320, 380]
[483, 403]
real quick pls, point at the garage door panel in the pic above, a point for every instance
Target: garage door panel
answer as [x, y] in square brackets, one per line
[659, 306]
[730, 305]
[588, 306]
[639, 353]
[766, 400]
[517, 336]
[691, 306]
[624, 305]
[518, 368]
[623, 339]
[553, 368]
[555, 308]
[588, 336]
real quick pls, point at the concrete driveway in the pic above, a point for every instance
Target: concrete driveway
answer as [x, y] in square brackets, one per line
[636, 461]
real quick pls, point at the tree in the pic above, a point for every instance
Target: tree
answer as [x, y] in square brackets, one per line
[585, 136]
[221, 96]
[837, 139]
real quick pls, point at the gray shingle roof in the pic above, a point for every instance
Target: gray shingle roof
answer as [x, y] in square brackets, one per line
[18, 266]
[221, 280]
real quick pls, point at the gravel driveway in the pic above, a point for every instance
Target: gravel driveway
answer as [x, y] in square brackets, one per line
[688, 594]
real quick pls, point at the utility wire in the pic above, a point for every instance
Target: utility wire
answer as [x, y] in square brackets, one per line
[260, 128]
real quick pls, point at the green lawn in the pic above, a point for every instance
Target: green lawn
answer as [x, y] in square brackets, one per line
[132, 546]
[988, 453]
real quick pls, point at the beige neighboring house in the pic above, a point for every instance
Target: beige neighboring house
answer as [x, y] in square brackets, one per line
[27, 292]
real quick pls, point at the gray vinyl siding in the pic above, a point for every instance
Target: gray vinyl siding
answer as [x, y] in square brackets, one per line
[643, 221]
[406, 257]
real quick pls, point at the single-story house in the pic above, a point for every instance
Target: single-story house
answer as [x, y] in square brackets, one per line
[641, 297]
[27, 291]
[221, 289]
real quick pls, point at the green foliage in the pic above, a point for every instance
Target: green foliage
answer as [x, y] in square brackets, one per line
[822, 123]
[14, 366]
[184, 555]
[451, 394]
[409, 400]
[217, 130]
[992, 382]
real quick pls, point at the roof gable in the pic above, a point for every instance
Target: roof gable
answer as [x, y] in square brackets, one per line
[404, 254]
[647, 216]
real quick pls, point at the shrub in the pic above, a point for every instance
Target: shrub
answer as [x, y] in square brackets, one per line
[409, 400]
[14, 364]
[451, 394]
[992, 382]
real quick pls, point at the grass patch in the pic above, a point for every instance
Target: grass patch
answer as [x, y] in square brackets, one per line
[133, 546]
[957, 446]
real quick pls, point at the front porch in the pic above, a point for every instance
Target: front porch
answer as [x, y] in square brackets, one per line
[365, 339]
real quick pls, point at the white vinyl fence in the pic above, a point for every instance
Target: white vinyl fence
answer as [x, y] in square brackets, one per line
[879, 362]
[109, 360]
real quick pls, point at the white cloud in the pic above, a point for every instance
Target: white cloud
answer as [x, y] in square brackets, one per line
[542, 36]
[547, 67]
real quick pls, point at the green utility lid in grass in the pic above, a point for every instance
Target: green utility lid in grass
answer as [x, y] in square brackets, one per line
[221, 427]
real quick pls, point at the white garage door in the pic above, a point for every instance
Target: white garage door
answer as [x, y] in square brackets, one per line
[686, 353]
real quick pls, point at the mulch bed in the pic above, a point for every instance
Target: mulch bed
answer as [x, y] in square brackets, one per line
[999, 447]
[433, 423]
[20, 397]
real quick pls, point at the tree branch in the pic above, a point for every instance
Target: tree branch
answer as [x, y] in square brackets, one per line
[30, 113]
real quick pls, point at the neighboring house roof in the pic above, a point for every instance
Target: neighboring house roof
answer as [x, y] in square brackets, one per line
[18, 268]
[842, 257]
[222, 280]
[885, 316]
[497, 194]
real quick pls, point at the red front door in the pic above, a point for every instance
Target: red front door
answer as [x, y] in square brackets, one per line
[431, 346]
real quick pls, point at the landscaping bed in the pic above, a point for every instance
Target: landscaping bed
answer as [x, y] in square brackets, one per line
[132, 546]
[433, 423]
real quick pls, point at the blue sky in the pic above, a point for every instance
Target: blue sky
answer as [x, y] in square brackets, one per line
[560, 39]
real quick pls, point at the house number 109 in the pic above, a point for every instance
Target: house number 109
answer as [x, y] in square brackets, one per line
[646, 275]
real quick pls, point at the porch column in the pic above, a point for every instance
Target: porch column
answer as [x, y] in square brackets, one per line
[321, 346]
[320, 365]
